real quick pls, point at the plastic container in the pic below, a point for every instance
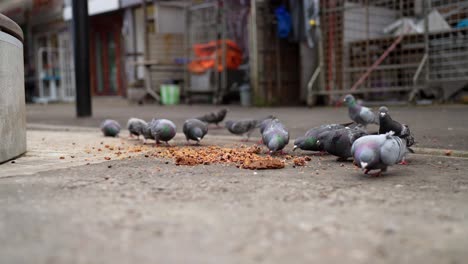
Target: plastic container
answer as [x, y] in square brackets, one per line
[245, 95]
[170, 94]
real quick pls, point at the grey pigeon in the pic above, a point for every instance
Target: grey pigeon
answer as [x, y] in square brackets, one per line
[242, 127]
[214, 117]
[110, 128]
[195, 129]
[387, 124]
[358, 113]
[338, 142]
[275, 136]
[135, 126]
[309, 140]
[162, 130]
[377, 152]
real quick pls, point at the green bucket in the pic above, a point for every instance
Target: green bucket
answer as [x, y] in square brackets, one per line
[170, 94]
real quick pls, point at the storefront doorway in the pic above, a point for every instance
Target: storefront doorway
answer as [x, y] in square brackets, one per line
[105, 51]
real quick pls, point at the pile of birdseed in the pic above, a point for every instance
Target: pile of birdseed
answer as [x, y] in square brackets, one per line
[242, 157]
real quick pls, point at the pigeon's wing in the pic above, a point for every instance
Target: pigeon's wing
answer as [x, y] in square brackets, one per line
[392, 125]
[313, 132]
[391, 151]
[355, 133]
[209, 118]
[357, 143]
[368, 116]
[238, 127]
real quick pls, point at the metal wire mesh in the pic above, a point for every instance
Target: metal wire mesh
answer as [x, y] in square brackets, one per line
[357, 33]
[448, 49]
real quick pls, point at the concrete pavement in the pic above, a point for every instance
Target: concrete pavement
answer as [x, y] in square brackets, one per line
[84, 208]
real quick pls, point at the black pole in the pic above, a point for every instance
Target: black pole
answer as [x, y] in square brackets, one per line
[81, 52]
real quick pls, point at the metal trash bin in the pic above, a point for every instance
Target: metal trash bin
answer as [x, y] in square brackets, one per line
[12, 100]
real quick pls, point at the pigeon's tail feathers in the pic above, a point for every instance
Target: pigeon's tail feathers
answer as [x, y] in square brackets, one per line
[408, 136]
[410, 150]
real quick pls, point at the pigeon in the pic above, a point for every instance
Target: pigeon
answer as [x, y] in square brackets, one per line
[195, 129]
[309, 140]
[275, 136]
[110, 128]
[242, 127]
[387, 124]
[377, 152]
[338, 142]
[135, 126]
[360, 114]
[214, 117]
[162, 130]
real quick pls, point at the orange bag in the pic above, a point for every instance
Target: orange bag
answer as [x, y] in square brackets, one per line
[210, 52]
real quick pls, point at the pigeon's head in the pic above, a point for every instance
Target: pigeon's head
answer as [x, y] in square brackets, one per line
[349, 99]
[383, 111]
[367, 158]
[306, 143]
[298, 143]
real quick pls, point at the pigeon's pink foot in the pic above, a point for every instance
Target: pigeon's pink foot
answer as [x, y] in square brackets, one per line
[244, 140]
[260, 142]
[403, 162]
